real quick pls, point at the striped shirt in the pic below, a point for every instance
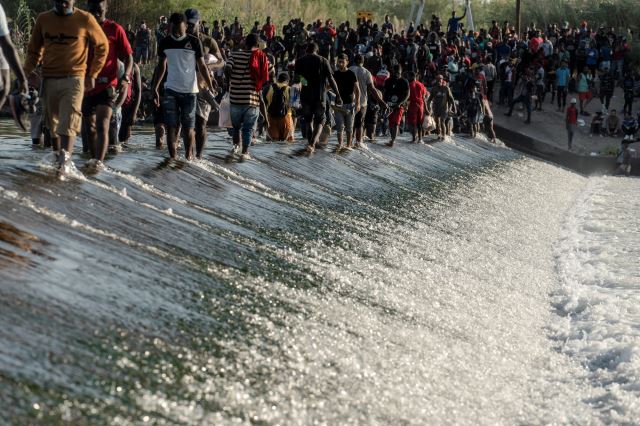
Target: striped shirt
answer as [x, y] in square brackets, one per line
[242, 88]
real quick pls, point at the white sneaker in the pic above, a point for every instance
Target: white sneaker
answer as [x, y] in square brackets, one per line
[95, 164]
[63, 162]
[235, 150]
[245, 157]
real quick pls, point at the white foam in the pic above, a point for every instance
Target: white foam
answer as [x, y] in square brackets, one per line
[429, 321]
[598, 263]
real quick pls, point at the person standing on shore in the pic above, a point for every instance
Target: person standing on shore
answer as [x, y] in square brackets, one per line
[142, 44]
[562, 81]
[584, 90]
[60, 40]
[526, 92]
[571, 120]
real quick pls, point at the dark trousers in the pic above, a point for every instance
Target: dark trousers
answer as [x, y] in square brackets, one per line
[525, 100]
[562, 96]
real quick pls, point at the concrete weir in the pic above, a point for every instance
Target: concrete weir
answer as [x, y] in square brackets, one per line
[546, 138]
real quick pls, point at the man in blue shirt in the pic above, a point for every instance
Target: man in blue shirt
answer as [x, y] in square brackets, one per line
[453, 25]
[562, 80]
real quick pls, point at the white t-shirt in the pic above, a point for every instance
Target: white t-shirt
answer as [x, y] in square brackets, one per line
[182, 55]
[364, 80]
[4, 28]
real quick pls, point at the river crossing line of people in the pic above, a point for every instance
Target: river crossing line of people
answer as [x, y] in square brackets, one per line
[364, 81]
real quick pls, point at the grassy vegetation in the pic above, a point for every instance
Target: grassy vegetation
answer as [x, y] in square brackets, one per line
[618, 13]
[622, 14]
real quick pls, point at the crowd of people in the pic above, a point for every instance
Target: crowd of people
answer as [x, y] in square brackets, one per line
[366, 82]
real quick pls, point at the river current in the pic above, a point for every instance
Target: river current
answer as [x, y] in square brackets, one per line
[450, 283]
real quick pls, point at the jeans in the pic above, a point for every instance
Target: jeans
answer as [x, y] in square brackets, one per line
[179, 108]
[243, 119]
[141, 53]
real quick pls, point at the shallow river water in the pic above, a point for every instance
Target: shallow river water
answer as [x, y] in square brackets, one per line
[457, 282]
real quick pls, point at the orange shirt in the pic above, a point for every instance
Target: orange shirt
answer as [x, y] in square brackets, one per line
[62, 44]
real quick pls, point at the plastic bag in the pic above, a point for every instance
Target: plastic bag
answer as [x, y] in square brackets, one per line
[224, 113]
[429, 123]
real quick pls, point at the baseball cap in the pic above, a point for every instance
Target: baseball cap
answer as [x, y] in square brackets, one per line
[574, 101]
[192, 15]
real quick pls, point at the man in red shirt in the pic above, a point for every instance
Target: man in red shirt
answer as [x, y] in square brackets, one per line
[98, 103]
[415, 112]
[571, 120]
[535, 43]
[269, 30]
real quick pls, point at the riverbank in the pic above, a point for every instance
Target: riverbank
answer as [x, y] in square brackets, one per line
[546, 137]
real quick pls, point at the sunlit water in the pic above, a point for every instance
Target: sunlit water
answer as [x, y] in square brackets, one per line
[451, 283]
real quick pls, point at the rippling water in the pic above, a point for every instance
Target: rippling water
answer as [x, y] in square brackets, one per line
[414, 285]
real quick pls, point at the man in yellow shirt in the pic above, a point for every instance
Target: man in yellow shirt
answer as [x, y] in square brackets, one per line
[60, 41]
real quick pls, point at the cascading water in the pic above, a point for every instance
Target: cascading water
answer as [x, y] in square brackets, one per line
[416, 285]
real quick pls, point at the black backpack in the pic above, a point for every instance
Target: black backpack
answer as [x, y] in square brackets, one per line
[278, 106]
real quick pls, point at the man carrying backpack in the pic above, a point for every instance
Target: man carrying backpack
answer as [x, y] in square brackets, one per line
[278, 111]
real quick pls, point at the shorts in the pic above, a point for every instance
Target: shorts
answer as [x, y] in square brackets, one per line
[105, 98]
[371, 115]
[179, 108]
[62, 103]
[203, 107]
[116, 122]
[127, 115]
[124, 131]
[584, 96]
[344, 119]
[415, 115]
[396, 116]
[440, 113]
[314, 113]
